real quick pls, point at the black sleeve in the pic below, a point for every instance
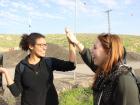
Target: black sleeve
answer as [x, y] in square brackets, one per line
[87, 58]
[61, 65]
[16, 87]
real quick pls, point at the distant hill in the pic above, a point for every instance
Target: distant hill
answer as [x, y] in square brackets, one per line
[132, 43]
[11, 58]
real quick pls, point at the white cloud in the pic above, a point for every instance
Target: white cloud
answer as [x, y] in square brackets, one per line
[128, 1]
[116, 4]
[13, 10]
[69, 6]
[34, 11]
[66, 2]
[53, 16]
[40, 15]
[19, 12]
[11, 17]
[3, 23]
[16, 6]
[108, 3]
[22, 6]
[45, 3]
[4, 3]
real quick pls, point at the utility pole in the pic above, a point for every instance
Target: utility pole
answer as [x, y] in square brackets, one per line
[75, 33]
[75, 19]
[108, 19]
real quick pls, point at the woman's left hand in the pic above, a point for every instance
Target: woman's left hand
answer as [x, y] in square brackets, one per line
[2, 70]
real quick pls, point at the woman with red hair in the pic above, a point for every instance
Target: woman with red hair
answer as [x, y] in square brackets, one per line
[113, 83]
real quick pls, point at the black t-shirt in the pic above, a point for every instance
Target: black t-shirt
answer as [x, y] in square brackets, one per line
[34, 81]
[36, 67]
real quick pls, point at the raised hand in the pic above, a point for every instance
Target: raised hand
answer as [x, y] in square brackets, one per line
[71, 37]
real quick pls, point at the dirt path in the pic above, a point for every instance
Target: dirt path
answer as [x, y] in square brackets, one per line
[81, 69]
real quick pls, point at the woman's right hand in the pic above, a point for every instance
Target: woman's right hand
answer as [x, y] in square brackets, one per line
[71, 37]
[7, 75]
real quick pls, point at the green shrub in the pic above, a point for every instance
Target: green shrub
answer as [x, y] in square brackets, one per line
[78, 96]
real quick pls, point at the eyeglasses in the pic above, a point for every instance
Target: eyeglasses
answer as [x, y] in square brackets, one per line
[42, 45]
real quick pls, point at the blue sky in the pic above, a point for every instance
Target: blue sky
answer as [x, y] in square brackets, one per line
[51, 16]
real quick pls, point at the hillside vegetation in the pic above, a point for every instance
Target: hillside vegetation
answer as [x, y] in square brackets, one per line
[132, 43]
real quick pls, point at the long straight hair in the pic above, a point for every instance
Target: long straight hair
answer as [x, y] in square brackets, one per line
[113, 47]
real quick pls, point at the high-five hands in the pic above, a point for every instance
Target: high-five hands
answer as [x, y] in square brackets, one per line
[71, 37]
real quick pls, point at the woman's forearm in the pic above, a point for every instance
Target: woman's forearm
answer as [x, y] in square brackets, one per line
[72, 52]
[80, 46]
[8, 78]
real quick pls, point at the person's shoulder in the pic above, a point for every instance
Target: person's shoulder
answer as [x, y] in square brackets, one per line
[126, 77]
[126, 81]
[21, 63]
[126, 73]
[127, 85]
[124, 67]
[48, 60]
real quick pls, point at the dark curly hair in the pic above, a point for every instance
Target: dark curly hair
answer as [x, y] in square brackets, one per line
[30, 39]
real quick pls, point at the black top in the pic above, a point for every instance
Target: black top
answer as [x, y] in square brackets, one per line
[33, 83]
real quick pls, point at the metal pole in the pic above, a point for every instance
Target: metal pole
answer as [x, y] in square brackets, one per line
[75, 28]
[108, 18]
[75, 20]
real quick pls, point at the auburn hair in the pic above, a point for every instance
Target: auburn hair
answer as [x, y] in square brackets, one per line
[113, 46]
